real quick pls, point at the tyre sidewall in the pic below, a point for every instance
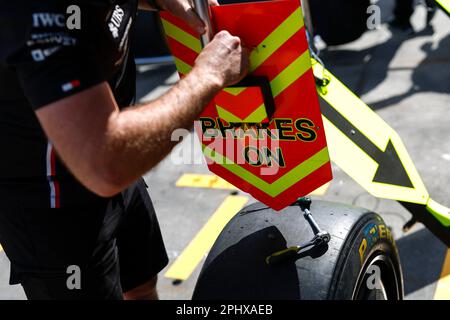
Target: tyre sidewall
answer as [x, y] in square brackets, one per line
[371, 238]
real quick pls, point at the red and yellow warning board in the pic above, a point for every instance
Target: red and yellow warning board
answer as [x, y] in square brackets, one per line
[264, 135]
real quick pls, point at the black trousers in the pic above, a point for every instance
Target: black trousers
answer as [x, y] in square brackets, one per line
[116, 243]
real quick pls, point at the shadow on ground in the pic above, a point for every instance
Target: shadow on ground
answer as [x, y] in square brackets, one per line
[428, 76]
[420, 268]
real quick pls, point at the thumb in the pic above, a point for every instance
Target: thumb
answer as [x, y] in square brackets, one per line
[188, 14]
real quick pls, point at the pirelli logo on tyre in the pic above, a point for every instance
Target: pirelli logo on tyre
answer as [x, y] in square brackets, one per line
[264, 135]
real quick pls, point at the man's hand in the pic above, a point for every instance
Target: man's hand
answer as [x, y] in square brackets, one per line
[108, 149]
[224, 61]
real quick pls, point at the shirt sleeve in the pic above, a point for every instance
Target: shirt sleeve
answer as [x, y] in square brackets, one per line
[51, 60]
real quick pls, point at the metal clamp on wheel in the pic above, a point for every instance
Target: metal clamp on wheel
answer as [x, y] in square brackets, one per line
[320, 237]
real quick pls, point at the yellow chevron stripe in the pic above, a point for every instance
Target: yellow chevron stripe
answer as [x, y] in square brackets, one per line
[290, 74]
[210, 181]
[283, 80]
[181, 36]
[227, 115]
[235, 91]
[182, 66]
[280, 83]
[261, 53]
[285, 182]
[276, 39]
[258, 115]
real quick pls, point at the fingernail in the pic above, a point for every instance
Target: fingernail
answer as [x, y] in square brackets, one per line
[201, 29]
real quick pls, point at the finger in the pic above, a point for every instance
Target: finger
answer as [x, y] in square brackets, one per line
[213, 2]
[223, 34]
[184, 10]
[193, 20]
[235, 42]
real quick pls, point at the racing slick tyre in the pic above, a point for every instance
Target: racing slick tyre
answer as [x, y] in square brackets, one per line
[360, 262]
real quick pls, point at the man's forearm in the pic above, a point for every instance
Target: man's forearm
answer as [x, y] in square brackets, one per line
[107, 149]
[140, 136]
